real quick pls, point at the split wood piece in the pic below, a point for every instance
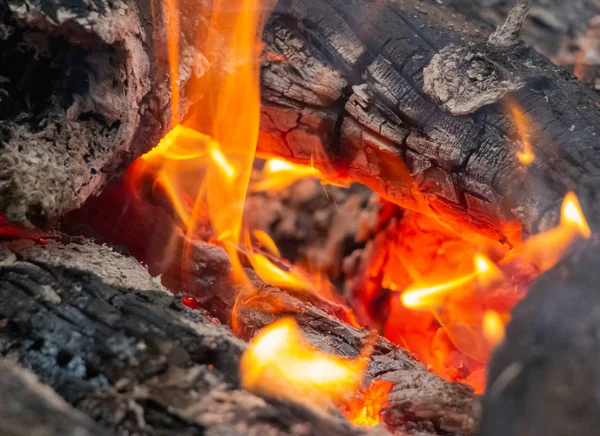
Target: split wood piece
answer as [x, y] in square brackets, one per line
[84, 90]
[420, 401]
[95, 327]
[348, 78]
[29, 408]
[543, 379]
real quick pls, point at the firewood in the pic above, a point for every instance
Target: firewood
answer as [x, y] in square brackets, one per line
[95, 327]
[28, 407]
[362, 101]
[348, 87]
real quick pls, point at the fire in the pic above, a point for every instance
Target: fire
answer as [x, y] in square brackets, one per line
[546, 249]
[278, 173]
[280, 362]
[493, 327]
[485, 271]
[526, 156]
[365, 409]
[456, 291]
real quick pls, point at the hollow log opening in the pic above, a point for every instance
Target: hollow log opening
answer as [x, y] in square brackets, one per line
[298, 217]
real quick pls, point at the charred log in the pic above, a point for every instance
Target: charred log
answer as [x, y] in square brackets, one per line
[84, 90]
[32, 408]
[95, 327]
[358, 92]
[350, 85]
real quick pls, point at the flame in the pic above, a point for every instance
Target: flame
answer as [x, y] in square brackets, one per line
[417, 298]
[493, 327]
[546, 249]
[366, 408]
[526, 156]
[279, 362]
[279, 173]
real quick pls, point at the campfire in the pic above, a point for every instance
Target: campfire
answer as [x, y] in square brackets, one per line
[295, 217]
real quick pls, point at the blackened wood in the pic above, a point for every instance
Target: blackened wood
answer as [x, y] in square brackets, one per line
[543, 379]
[95, 327]
[351, 84]
[29, 408]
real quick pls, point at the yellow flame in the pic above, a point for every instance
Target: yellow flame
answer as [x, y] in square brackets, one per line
[572, 215]
[527, 156]
[485, 271]
[266, 242]
[493, 327]
[273, 274]
[280, 362]
[278, 173]
[546, 249]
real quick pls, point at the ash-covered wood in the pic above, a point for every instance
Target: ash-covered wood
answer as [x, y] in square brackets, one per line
[123, 351]
[29, 408]
[352, 84]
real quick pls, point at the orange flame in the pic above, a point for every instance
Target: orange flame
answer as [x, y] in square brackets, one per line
[365, 410]
[280, 362]
[527, 156]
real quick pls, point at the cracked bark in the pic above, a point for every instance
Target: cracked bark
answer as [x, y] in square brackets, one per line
[376, 125]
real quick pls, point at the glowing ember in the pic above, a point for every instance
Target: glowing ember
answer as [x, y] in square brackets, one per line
[365, 409]
[279, 362]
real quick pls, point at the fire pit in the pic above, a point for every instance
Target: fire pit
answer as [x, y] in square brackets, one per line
[297, 217]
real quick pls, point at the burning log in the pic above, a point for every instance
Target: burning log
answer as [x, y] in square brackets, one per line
[361, 99]
[140, 360]
[105, 100]
[94, 326]
[372, 99]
